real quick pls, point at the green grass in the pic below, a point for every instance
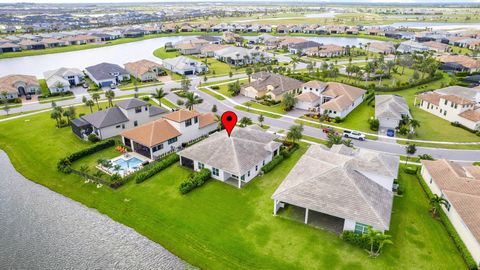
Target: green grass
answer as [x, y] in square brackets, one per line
[163, 54]
[277, 108]
[314, 139]
[221, 82]
[55, 98]
[212, 93]
[266, 114]
[43, 87]
[218, 226]
[168, 103]
[460, 50]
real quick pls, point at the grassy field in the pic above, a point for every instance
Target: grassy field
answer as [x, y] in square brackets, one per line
[219, 226]
[163, 54]
[212, 93]
[266, 114]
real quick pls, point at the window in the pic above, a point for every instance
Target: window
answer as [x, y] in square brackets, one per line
[123, 126]
[158, 147]
[446, 101]
[195, 120]
[455, 106]
[188, 122]
[256, 167]
[200, 165]
[146, 108]
[263, 163]
[117, 126]
[138, 110]
[361, 228]
[215, 172]
[172, 140]
[135, 123]
[445, 113]
[243, 177]
[248, 173]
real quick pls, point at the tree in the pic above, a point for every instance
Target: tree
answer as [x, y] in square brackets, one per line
[90, 104]
[405, 61]
[249, 72]
[289, 101]
[261, 119]
[205, 78]
[410, 149]
[437, 201]
[6, 106]
[185, 83]
[57, 115]
[377, 238]
[234, 88]
[135, 89]
[70, 113]
[96, 97]
[214, 108]
[110, 95]
[84, 171]
[294, 133]
[60, 87]
[192, 99]
[245, 121]
[84, 100]
[159, 94]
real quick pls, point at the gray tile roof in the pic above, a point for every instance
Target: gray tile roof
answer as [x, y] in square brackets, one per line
[341, 185]
[464, 92]
[103, 71]
[279, 82]
[245, 148]
[156, 110]
[105, 118]
[391, 106]
[131, 103]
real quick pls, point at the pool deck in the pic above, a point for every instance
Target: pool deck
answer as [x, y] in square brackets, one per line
[125, 156]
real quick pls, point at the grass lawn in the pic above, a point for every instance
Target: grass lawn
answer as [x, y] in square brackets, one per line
[91, 161]
[278, 108]
[212, 93]
[44, 87]
[163, 54]
[266, 114]
[216, 67]
[219, 226]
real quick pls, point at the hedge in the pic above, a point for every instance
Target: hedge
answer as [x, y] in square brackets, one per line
[63, 165]
[359, 240]
[272, 164]
[464, 252]
[195, 180]
[150, 170]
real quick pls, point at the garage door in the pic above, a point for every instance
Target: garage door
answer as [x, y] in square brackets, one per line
[106, 84]
[188, 72]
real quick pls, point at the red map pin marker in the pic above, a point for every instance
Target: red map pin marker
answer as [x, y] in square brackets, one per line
[229, 120]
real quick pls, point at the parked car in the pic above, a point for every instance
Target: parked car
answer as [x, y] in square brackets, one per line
[353, 135]
[85, 85]
[327, 130]
[390, 133]
[113, 86]
[28, 97]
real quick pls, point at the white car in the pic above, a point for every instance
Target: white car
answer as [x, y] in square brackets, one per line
[353, 135]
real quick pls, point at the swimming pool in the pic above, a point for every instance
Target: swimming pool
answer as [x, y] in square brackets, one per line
[125, 164]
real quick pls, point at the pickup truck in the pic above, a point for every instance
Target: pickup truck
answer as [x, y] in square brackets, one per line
[353, 135]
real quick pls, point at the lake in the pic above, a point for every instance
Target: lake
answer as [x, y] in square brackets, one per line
[436, 25]
[41, 229]
[117, 54]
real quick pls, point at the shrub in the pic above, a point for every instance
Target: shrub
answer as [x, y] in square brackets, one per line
[63, 165]
[93, 149]
[155, 168]
[180, 102]
[93, 138]
[195, 180]
[374, 124]
[288, 151]
[146, 98]
[275, 161]
[411, 170]
[359, 240]
[426, 157]
[62, 123]
[215, 87]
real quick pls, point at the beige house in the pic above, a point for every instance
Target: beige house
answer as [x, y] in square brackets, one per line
[18, 85]
[270, 84]
[454, 104]
[144, 70]
[191, 46]
[381, 47]
[460, 187]
[329, 50]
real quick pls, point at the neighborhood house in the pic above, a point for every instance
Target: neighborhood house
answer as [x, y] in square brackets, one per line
[248, 150]
[184, 65]
[270, 84]
[390, 110]
[344, 189]
[60, 80]
[144, 70]
[14, 86]
[112, 121]
[168, 134]
[106, 74]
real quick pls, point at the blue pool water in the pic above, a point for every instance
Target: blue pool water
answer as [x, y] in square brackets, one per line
[127, 163]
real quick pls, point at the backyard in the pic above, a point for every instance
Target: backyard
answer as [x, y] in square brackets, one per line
[218, 226]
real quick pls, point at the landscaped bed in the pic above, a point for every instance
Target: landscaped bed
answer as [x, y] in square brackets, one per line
[221, 227]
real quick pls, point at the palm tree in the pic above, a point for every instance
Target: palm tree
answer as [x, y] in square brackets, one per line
[96, 97]
[6, 106]
[110, 95]
[56, 115]
[410, 149]
[372, 236]
[295, 133]
[261, 119]
[192, 99]
[84, 170]
[90, 104]
[245, 121]
[414, 123]
[436, 201]
[159, 94]
[381, 240]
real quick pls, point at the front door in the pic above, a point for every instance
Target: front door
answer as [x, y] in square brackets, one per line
[21, 91]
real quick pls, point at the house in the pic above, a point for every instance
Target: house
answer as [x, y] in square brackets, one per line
[265, 29]
[459, 185]
[144, 70]
[298, 48]
[390, 110]
[239, 56]
[351, 189]
[412, 46]
[184, 65]
[381, 47]
[436, 46]
[170, 133]
[332, 98]
[285, 42]
[60, 80]
[329, 50]
[459, 63]
[270, 84]
[52, 42]
[210, 49]
[282, 29]
[18, 85]
[211, 39]
[191, 46]
[28, 44]
[247, 149]
[10, 47]
[230, 37]
[455, 104]
[111, 122]
[106, 74]
[81, 40]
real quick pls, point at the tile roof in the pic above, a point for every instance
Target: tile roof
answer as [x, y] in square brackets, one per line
[206, 119]
[316, 84]
[104, 70]
[141, 67]
[338, 183]
[7, 83]
[152, 133]
[472, 115]
[463, 60]
[307, 97]
[105, 118]
[131, 103]
[181, 115]
[391, 106]
[280, 83]
[343, 95]
[461, 186]
[246, 147]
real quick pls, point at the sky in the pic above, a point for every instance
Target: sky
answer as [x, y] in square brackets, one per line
[312, 1]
